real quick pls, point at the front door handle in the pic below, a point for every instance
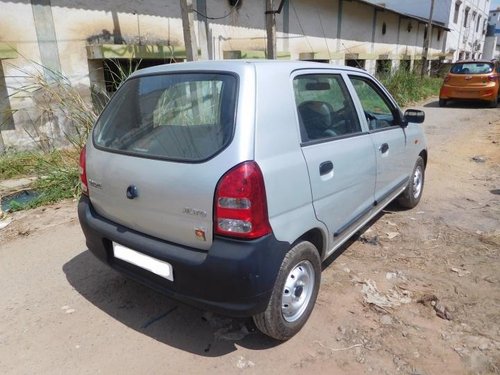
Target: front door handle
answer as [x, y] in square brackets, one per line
[383, 148]
[325, 168]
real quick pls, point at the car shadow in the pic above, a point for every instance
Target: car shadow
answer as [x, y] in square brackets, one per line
[358, 236]
[157, 316]
[458, 104]
[165, 320]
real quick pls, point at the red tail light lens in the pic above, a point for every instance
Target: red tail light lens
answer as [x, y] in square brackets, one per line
[241, 204]
[492, 78]
[83, 171]
[446, 79]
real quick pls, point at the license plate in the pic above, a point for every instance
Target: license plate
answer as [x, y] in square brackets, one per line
[146, 262]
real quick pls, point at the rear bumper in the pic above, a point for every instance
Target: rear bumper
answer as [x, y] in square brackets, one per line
[487, 93]
[233, 278]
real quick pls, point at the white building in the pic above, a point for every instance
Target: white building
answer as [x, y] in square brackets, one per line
[466, 19]
[492, 44]
[86, 40]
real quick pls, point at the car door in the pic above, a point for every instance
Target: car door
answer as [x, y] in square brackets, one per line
[338, 152]
[389, 138]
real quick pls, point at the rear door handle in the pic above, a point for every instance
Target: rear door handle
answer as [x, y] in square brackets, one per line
[383, 148]
[325, 168]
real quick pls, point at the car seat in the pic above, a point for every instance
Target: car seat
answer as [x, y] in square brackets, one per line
[316, 119]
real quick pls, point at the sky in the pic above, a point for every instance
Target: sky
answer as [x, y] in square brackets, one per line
[494, 4]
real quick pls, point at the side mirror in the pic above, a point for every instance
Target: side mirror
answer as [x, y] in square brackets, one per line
[414, 115]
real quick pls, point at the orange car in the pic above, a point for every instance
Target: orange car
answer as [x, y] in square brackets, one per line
[471, 80]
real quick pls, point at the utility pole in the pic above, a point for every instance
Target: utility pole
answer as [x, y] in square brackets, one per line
[203, 31]
[271, 30]
[427, 42]
[188, 30]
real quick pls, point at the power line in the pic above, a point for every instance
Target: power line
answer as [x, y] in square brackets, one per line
[300, 25]
[221, 17]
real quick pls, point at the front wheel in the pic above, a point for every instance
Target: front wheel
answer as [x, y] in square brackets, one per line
[294, 293]
[413, 192]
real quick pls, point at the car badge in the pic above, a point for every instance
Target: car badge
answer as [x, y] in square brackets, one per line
[132, 192]
[95, 184]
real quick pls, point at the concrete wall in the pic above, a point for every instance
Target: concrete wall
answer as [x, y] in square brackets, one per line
[54, 37]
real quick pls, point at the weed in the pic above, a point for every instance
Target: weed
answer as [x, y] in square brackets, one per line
[22, 164]
[407, 87]
[61, 114]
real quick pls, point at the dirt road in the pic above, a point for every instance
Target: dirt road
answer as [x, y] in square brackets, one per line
[61, 311]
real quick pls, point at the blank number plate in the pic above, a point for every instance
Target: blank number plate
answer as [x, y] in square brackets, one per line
[151, 264]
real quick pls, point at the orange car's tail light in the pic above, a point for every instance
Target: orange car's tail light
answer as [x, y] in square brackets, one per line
[492, 78]
[446, 79]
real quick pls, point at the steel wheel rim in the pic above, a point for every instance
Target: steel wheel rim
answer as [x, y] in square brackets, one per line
[297, 291]
[417, 182]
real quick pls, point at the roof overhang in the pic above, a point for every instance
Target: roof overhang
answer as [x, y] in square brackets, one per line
[253, 54]
[134, 51]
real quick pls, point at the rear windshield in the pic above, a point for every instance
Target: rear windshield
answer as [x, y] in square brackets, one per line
[186, 117]
[471, 68]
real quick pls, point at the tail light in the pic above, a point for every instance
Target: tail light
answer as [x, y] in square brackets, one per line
[241, 204]
[83, 171]
[446, 79]
[492, 78]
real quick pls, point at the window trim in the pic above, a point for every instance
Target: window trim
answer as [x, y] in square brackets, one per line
[342, 79]
[332, 139]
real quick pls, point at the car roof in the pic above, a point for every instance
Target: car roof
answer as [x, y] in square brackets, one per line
[229, 65]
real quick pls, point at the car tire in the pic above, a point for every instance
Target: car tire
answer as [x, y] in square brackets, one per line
[493, 103]
[413, 192]
[294, 293]
[442, 102]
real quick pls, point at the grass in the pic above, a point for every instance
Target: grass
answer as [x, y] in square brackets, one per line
[408, 87]
[23, 164]
[57, 172]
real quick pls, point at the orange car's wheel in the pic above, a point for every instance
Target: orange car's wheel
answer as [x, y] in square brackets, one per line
[442, 102]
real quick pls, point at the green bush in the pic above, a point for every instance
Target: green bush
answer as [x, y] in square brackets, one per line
[407, 87]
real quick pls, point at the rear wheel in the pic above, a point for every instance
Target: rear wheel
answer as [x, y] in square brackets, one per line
[442, 102]
[294, 293]
[413, 192]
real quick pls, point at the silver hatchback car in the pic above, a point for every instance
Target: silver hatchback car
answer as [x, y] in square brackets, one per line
[225, 184]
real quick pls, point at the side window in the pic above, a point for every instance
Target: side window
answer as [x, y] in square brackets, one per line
[325, 107]
[378, 112]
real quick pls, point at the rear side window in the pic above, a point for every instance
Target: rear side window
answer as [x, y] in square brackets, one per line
[325, 107]
[472, 68]
[185, 117]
